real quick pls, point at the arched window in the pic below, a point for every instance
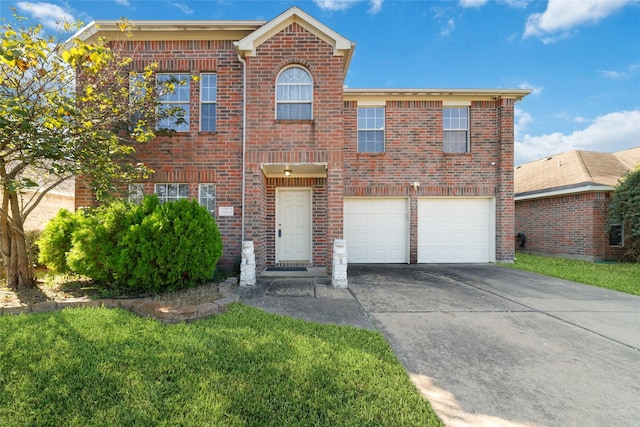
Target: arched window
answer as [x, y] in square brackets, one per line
[294, 94]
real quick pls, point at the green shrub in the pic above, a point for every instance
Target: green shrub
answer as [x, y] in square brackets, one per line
[176, 246]
[149, 247]
[55, 241]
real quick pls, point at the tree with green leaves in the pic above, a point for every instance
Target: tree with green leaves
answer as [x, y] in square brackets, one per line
[624, 210]
[66, 109]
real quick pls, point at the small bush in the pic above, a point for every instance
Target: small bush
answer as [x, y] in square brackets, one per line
[55, 241]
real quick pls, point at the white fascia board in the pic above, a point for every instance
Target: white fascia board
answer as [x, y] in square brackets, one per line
[566, 191]
[431, 93]
[249, 44]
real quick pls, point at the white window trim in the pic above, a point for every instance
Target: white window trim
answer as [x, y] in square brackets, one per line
[214, 196]
[278, 102]
[466, 130]
[384, 129]
[215, 103]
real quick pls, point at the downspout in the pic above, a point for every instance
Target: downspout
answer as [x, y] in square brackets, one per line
[244, 138]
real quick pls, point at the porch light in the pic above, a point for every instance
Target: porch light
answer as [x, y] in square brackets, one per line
[287, 172]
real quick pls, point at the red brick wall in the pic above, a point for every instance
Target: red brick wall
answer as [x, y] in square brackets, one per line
[279, 141]
[197, 157]
[571, 226]
[414, 152]
[413, 145]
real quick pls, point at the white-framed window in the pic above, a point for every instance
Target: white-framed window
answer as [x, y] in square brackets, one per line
[371, 129]
[171, 192]
[208, 99]
[294, 94]
[136, 193]
[616, 235]
[207, 196]
[174, 97]
[455, 130]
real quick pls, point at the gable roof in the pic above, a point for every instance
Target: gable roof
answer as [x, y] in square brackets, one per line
[574, 171]
[341, 46]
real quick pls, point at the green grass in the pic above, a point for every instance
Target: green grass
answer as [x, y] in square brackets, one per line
[623, 277]
[108, 367]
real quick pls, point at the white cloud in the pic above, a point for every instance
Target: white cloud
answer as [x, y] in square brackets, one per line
[375, 5]
[183, 7]
[562, 16]
[123, 2]
[522, 120]
[48, 14]
[625, 73]
[535, 91]
[448, 28]
[472, 3]
[608, 133]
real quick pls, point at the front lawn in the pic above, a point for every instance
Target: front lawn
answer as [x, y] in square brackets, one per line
[623, 277]
[108, 367]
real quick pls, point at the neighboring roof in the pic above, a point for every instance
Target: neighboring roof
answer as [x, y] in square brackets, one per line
[574, 171]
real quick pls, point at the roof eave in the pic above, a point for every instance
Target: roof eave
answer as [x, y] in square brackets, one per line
[563, 191]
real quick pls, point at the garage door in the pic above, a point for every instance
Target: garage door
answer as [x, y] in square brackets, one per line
[376, 230]
[453, 230]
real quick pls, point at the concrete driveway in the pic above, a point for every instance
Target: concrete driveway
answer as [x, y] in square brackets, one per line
[499, 347]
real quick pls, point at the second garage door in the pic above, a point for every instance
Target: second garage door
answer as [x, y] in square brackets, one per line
[376, 230]
[456, 230]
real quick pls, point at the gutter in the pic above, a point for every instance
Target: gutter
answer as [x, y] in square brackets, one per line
[244, 136]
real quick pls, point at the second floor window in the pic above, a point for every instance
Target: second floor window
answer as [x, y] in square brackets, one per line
[455, 130]
[371, 130]
[294, 94]
[208, 99]
[174, 97]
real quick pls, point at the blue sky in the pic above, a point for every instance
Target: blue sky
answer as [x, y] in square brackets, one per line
[581, 58]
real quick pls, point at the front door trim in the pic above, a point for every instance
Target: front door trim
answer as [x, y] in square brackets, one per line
[303, 232]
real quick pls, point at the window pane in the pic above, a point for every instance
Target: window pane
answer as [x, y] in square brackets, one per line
[208, 84]
[294, 111]
[208, 118]
[615, 236]
[207, 196]
[136, 193]
[455, 141]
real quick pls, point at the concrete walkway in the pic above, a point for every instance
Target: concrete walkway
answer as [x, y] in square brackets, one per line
[488, 345]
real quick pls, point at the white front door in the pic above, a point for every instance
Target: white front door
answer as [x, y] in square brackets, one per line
[293, 225]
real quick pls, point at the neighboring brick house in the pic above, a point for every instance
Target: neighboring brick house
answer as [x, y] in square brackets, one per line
[562, 203]
[288, 158]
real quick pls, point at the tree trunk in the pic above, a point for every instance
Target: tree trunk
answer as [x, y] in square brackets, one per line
[15, 250]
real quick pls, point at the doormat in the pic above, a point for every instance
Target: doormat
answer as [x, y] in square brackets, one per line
[286, 268]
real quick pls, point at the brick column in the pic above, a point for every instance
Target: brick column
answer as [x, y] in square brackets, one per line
[505, 207]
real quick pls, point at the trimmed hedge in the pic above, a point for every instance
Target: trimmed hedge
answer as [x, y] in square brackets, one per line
[150, 247]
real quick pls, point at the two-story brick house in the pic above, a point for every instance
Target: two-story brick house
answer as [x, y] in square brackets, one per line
[287, 157]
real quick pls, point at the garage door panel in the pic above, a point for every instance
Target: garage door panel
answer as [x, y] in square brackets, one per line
[376, 230]
[455, 230]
